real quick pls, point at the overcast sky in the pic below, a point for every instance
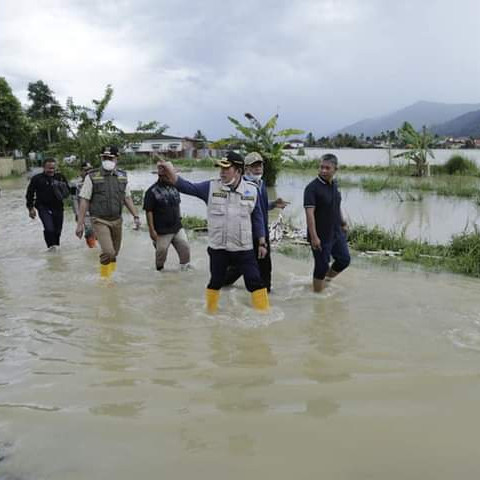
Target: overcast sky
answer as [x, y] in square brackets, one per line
[321, 64]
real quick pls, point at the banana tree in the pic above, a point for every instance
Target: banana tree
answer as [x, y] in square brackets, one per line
[419, 146]
[263, 139]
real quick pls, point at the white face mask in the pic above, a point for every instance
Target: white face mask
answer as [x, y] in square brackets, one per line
[231, 182]
[108, 165]
[253, 178]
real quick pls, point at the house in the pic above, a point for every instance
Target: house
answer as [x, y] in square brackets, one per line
[167, 145]
[295, 143]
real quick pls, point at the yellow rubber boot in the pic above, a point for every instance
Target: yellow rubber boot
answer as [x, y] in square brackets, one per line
[212, 297]
[260, 300]
[105, 271]
[113, 267]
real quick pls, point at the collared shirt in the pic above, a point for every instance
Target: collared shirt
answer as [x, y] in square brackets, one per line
[325, 198]
[87, 189]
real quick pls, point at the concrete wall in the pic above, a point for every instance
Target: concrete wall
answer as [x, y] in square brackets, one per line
[9, 166]
[19, 166]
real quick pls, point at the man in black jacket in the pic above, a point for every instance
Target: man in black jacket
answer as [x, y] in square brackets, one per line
[45, 194]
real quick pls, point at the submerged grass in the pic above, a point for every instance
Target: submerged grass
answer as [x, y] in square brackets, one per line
[460, 255]
[444, 185]
[191, 222]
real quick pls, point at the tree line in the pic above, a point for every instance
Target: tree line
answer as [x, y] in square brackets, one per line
[44, 125]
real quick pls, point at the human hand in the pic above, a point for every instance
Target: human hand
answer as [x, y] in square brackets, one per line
[79, 230]
[281, 203]
[316, 243]
[153, 236]
[344, 227]
[32, 213]
[136, 222]
[262, 251]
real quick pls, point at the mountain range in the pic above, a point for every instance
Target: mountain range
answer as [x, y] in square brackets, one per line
[449, 119]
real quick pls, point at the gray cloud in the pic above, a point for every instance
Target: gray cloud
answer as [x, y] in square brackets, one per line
[320, 63]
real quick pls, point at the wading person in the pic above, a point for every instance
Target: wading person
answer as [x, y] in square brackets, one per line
[104, 192]
[235, 222]
[162, 207]
[45, 194]
[326, 227]
[254, 174]
[89, 235]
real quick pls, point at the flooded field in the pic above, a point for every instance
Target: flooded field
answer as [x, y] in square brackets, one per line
[377, 378]
[380, 156]
[434, 219]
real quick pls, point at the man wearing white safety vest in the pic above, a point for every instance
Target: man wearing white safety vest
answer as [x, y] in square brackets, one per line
[235, 222]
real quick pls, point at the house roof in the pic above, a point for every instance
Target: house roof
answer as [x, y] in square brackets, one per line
[163, 137]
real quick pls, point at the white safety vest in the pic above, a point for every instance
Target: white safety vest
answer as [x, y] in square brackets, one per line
[229, 216]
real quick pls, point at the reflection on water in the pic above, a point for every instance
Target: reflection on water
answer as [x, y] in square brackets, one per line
[133, 378]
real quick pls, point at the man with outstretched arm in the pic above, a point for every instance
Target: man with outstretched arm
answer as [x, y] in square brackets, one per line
[234, 220]
[326, 227]
[254, 174]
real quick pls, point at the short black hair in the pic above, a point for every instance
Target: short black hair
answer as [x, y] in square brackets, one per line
[49, 160]
[329, 157]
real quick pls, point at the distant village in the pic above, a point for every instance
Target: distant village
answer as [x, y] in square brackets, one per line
[191, 147]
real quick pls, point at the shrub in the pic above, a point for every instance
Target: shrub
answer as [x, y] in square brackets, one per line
[459, 164]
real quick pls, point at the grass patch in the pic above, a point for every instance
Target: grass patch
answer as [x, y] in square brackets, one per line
[191, 222]
[460, 255]
[460, 165]
[135, 161]
[444, 185]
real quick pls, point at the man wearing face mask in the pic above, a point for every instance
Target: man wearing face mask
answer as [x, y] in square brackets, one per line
[235, 222]
[104, 192]
[254, 173]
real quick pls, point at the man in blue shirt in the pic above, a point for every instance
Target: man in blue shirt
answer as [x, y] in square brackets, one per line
[326, 227]
[235, 222]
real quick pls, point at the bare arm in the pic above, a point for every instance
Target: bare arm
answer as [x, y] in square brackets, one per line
[312, 229]
[82, 211]
[130, 206]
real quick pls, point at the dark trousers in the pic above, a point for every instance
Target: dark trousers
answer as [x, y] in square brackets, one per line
[264, 265]
[52, 220]
[337, 248]
[246, 263]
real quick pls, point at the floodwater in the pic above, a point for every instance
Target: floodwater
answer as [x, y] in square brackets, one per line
[381, 156]
[434, 219]
[377, 378]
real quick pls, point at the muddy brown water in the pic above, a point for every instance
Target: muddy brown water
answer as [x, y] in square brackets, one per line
[376, 378]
